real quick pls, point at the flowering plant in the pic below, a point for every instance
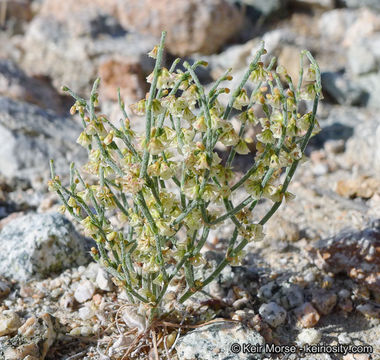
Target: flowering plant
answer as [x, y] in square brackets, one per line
[171, 181]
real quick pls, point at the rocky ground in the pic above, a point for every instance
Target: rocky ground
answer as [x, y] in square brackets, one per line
[314, 279]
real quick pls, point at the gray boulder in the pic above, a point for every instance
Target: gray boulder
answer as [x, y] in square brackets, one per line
[50, 49]
[352, 253]
[360, 130]
[31, 136]
[342, 89]
[374, 4]
[273, 314]
[371, 85]
[362, 149]
[220, 340]
[361, 58]
[323, 4]
[265, 7]
[35, 246]
[14, 83]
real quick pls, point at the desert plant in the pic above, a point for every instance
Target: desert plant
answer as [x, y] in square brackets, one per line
[171, 180]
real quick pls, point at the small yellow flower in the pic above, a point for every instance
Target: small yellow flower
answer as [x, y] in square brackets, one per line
[193, 220]
[112, 236]
[155, 146]
[201, 162]
[191, 189]
[84, 139]
[266, 137]
[259, 74]
[89, 228]
[274, 162]
[157, 108]
[108, 139]
[164, 80]
[139, 107]
[253, 188]
[241, 100]
[188, 115]
[153, 52]
[229, 138]
[242, 148]
[72, 202]
[237, 259]
[62, 209]
[198, 260]
[200, 124]
[164, 228]
[303, 122]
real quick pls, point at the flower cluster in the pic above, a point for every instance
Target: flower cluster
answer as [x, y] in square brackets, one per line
[171, 181]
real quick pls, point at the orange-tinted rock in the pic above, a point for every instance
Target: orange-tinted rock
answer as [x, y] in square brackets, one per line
[363, 186]
[80, 17]
[192, 25]
[19, 10]
[15, 84]
[61, 10]
[356, 254]
[324, 300]
[124, 74]
[307, 315]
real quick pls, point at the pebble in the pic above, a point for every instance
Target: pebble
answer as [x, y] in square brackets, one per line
[25, 351]
[34, 339]
[103, 281]
[84, 291]
[334, 146]
[56, 293]
[239, 315]
[309, 336]
[368, 310]
[67, 301]
[97, 299]
[213, 342]
[4, 289]
[92, 271]
[324, 300]
[81, 269]
[56, 283]
[120, 343]
[240, 303]
[273, 314]
[309, 276]
[85, 313]
[9, 322]
[292, 296]
[356, 357]
[307, 315]
[327, 281]
[81, 331]
[243, 315]
[344, 339]
[345, 305]
[344, 294]
[133, 319]
[86, 331]
[320, 169]
[266, 291]
[30, 357]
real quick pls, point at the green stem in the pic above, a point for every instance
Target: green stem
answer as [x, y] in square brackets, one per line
[149, 113]
[251, 68]
[188, 210]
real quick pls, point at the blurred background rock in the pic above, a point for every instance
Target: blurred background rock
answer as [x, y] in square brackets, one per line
[45, 44]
